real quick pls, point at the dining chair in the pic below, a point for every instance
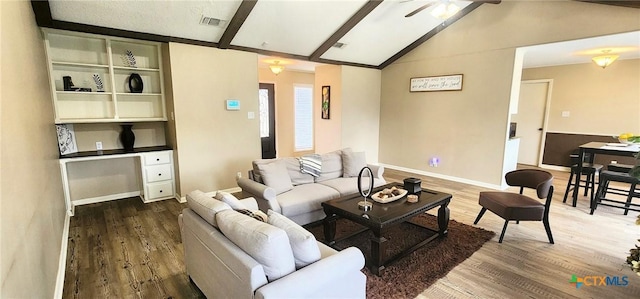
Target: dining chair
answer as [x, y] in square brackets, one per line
[516, 206]
[589, 170]
[606, 177]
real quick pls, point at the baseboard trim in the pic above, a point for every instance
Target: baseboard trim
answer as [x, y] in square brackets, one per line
[444, 177]
[555, 167]
[62, 263]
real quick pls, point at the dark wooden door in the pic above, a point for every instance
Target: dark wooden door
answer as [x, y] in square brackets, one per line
[267, 120]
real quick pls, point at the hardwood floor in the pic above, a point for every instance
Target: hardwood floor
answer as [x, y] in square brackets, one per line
[127, 249]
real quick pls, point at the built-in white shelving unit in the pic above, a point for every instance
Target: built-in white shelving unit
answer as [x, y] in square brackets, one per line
[83, 57]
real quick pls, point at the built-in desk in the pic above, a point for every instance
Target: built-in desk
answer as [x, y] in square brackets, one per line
[156, 171]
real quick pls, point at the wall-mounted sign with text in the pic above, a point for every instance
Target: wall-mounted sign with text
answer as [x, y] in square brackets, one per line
[436, 83]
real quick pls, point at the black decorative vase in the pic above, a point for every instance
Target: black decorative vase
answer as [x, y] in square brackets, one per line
[127, 137]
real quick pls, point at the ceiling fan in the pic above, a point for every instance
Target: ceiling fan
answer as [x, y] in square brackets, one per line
[445, 4]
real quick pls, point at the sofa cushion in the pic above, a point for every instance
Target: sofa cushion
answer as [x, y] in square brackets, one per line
[231, 200]
[206, 206]
[348, 186]
[275, 175]
[352, 163]
[265, 243]
[331, 166]
[297, 177]
[303, 243]
[305, 198]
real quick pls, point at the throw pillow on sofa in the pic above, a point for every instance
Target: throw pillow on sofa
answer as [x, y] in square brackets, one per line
[331, 166]
[303, 243]
[265, 243]
[237, 205]
[206, 206]
[352, 163]
[275, 175]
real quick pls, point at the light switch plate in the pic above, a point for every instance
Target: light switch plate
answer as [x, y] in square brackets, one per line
[251, 115]
[99, 145]
[566, 113]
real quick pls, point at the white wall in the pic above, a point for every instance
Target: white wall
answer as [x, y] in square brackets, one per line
[599, 101]
[361, 110]
[32, 211]
[213, 144]
[467, 129]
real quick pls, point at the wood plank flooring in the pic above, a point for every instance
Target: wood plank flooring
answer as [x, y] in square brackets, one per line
[128, 249]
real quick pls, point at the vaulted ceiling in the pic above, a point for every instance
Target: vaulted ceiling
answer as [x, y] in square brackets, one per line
[366, 33]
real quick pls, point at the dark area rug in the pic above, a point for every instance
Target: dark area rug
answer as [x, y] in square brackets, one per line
[412, 274]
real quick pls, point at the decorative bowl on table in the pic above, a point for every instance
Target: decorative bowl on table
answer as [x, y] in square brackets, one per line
[628, 138]
[389, 195]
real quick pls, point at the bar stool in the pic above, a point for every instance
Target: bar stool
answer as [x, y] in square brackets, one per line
[589, 170]
[608, 176]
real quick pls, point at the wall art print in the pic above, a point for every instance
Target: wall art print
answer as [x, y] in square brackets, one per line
[66, 139]
[326, 102]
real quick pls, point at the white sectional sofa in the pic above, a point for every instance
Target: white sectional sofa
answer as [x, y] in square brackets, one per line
[279, 185]
[230, 255]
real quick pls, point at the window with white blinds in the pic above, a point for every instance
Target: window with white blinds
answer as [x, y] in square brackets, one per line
[303, 109]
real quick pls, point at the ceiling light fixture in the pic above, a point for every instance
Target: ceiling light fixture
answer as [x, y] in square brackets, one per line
[276, 68]
[445, 9]
[605, 60]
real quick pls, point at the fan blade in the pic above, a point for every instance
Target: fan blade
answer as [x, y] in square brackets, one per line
[487, 1]
[421, 8]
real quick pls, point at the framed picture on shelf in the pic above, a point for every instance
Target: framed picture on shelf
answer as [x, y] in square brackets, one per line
[66, 139]
[326, 102]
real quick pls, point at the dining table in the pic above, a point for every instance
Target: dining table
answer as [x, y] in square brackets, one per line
[603, 148]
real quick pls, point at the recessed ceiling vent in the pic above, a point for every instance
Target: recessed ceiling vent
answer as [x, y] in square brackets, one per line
[212, 21]
[339, 45]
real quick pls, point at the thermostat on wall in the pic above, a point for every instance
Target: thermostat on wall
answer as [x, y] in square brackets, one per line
[233, 105]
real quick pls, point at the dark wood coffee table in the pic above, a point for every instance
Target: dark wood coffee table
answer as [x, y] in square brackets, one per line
[384, 216]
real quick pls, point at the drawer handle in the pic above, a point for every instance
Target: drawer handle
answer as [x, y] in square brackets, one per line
[159, 174]
[160, 191]
[157, 159]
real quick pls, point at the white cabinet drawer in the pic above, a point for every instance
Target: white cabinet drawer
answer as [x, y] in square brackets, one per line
[157, 158]
[159, 190]
[158, 173]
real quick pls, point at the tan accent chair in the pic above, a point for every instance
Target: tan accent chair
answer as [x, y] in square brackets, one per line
[515, 206]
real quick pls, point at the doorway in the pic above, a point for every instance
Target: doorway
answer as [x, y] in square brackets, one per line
[532, 119]
[266, 94]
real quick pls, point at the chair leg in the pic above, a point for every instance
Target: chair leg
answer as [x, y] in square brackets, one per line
[593, 185]
[517, 221]
[588, 183]
[599, 194]
[480, 215]
[545, 220]
[566, 193]
[504, 229]
[629, 197]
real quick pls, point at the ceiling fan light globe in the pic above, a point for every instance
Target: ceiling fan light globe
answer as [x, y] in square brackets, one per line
[445, 10]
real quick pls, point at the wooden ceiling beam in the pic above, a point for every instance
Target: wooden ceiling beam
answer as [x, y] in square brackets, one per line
[345, 28]
[469, 8]
[42, 10]
[238, 19]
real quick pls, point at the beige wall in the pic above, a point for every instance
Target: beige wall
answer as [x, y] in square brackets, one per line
[600, 101]
[467, 129]
[32, 211]
[284, 103]
[328, 132]
[213, 144]
[361, 110]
